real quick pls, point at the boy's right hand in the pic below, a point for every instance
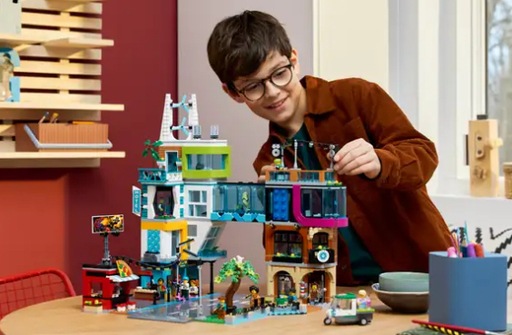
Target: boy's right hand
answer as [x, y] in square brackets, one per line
[264, 169]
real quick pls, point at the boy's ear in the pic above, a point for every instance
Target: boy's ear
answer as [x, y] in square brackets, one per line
[294, 59]
[232, 95]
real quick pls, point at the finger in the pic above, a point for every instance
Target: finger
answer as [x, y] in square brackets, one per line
[365, 168]
[351, 157]
[347, 148]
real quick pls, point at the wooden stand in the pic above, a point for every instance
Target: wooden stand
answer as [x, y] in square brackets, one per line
[483, 144]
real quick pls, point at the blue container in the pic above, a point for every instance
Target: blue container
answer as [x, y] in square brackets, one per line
[468, 292]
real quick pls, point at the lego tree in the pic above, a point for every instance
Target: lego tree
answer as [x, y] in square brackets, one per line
[236, 268]
[151, 149]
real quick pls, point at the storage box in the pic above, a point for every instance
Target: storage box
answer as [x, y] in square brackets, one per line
[62, 137]
[468, 292]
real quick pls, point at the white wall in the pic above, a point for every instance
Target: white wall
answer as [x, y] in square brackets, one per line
[244, 131]
[352, 40]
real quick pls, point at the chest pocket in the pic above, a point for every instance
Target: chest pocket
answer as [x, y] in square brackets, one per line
[350, 131]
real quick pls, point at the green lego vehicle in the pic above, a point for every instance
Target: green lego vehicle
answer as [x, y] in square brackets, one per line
[347, 308]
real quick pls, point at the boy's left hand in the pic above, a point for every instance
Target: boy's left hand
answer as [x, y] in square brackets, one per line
[356, 157]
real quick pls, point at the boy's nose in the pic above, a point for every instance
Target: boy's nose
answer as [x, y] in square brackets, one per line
[271, 90]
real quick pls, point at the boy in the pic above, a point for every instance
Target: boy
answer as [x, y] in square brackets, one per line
[383, 161]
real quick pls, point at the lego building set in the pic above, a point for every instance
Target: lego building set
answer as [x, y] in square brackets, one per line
[184, 203]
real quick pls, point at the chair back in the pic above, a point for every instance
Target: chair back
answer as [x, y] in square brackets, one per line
[25, 289]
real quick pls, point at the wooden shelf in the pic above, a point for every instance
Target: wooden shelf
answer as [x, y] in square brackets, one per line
[59, 40]
[53, 39]
[55, 159]
[73, 106]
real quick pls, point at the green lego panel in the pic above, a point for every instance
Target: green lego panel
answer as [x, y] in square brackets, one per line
[206, 162]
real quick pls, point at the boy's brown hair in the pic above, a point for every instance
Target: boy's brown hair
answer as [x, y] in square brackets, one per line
[239, 44]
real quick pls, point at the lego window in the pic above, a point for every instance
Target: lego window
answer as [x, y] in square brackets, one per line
[311, 202]
[287, 245]
[320, 241]
[309, 176]
[197, 203]
[333, 204]
[279, 176]
[206, 162]
[173, 162]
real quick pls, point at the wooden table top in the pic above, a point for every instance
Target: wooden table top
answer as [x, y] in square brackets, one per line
[65, 316]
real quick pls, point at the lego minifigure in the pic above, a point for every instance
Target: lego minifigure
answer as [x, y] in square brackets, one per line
[220, 310]
[363, 300]
[255, 297]
[185, 288]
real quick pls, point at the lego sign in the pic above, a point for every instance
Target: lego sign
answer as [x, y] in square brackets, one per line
[136, 198]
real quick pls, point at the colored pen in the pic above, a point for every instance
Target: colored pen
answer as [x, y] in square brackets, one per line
[455, 243]
[479, 250]
[452, 253]
[452, 329]
[471, 253]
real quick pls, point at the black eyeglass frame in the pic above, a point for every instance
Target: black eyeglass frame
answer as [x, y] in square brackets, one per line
[263, 82]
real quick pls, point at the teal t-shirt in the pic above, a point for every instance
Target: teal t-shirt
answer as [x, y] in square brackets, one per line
[364, 268]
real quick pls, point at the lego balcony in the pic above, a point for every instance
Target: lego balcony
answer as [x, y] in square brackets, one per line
[321, 256]
[157, 176]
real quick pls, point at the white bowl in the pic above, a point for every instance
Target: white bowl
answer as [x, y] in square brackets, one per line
[403, 302]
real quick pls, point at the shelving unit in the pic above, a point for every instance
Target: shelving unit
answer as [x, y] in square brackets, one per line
[60, 71]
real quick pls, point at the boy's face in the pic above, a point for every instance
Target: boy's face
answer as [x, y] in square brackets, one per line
[280, 100]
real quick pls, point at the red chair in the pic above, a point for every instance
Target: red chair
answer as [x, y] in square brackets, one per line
[33, 287]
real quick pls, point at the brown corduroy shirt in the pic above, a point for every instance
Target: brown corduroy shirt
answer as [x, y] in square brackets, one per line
[392, 214]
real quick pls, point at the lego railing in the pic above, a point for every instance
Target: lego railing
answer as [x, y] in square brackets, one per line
[152, 175]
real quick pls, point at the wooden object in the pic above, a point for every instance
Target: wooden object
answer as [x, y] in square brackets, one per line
[65, 316]
[68, 136]
[483, 144]
[507, 171]
[60, 50]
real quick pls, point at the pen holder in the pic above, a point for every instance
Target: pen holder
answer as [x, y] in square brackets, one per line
[468, 292]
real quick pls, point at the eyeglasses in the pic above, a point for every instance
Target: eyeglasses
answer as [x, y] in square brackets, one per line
[279, 78]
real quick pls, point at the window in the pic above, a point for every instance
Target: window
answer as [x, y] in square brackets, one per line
[320, 241]
[287, 243]
[437, 52]
[197, 203]
[498, 26]
[210, 241]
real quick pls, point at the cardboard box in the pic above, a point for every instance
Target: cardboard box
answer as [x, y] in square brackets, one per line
[62, 137]
[468, 292]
